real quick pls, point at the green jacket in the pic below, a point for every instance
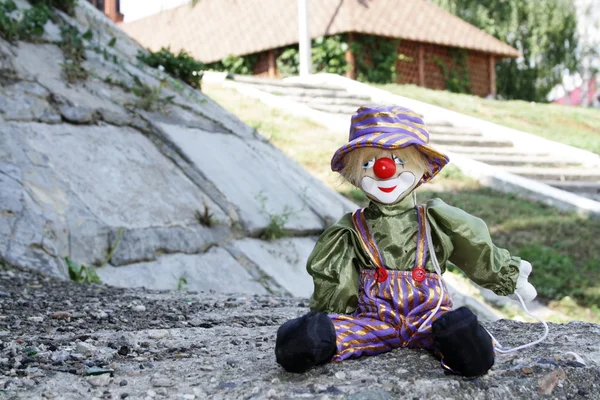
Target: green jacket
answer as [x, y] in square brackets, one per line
[458, 237]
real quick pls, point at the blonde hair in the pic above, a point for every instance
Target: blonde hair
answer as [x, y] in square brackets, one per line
[354, 161]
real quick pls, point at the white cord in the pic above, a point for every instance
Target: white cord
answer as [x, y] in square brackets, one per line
[438, 269]
[498, 347]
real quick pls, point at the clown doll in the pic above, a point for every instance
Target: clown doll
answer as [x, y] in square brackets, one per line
[377, 271]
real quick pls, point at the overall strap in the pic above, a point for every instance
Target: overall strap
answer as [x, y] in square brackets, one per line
[418, 272]
[368, 243]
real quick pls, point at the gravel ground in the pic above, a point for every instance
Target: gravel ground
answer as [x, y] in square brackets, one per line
[62, 340]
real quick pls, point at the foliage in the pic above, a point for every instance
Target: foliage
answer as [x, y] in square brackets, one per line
[288, 62]
[74, 52]
[242, 65]
[327, 55]
[182, 283]
[206, 218]
[376, 58]
[561, 276]
[456, 75]
[276, 227]
[26, 25]
[150, 98]
[67, 6]
[82, 273]
[9, 25]
[181, 66]
[543, 31]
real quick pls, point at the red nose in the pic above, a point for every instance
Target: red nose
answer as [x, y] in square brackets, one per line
[384, 168]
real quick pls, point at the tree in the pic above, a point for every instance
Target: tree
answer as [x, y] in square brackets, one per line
[545, 32]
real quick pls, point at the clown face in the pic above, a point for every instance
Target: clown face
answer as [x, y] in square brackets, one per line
[389, 176]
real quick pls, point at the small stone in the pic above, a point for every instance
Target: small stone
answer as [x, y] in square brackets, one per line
[61, 315]
[271, 393]
[101, 315]
[79, 115]
[28, 383]
[548, 382]
[36, 319]
[86, 348]
[319, 388]
[340, 375]
[151, 393]
[574, 358]
[161, 382]
[189, 396]
[123, 383]
[527, 371]
[139, 308]
[161, 334]
[99, 380]
[124, 395]
[98, 371]
[401, 371]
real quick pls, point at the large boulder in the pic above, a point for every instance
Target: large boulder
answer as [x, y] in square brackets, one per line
[156, 191]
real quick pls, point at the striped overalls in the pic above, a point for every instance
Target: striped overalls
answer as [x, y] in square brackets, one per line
[392, 305]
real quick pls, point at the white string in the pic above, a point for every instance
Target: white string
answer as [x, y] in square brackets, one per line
[437, 268]
[497, 346]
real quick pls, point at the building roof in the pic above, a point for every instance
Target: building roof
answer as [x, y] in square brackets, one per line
[214, 29]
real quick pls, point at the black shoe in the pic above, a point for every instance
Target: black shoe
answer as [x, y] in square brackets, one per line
[465, 346]
[305, 342]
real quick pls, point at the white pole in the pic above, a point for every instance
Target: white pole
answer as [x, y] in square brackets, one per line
[304, 38]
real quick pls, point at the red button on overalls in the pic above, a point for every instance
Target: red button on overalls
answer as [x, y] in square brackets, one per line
[381, 275]
[418, 274]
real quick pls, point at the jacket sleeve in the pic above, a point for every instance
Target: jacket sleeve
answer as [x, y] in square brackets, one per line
[472, 249]
[333, 264]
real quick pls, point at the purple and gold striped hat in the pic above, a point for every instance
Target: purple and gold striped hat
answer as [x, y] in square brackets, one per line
[390, 128]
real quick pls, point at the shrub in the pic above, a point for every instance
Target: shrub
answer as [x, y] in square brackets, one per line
[67, 6]
[26, 25]
[181, 66]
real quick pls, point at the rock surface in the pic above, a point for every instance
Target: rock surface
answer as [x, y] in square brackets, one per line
[63, 340]
[160, 194]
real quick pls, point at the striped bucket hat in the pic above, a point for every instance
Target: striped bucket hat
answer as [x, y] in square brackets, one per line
[389, 128]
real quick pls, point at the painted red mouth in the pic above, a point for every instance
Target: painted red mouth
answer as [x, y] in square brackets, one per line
[387, 190]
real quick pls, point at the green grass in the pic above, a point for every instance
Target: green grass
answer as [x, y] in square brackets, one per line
[575, 126]
[562, 247]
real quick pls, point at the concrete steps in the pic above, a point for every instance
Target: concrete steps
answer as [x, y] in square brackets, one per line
[511, 160]
[467, 140]
[577, 186]
[452, 130]
[557, 174]
[343, 101]
[340, 109]
[475, 150]
[551, 169]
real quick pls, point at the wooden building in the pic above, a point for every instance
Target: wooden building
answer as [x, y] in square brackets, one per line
[428, 36]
